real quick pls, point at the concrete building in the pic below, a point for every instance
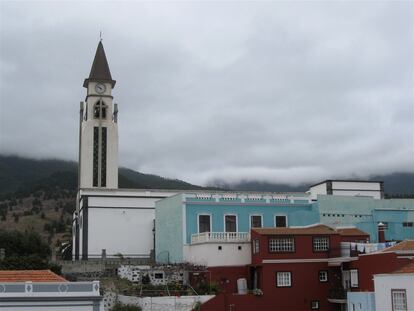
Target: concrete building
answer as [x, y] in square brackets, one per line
[43, 290]
[354, 188]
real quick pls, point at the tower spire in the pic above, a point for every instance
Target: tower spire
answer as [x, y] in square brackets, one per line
[100, 69]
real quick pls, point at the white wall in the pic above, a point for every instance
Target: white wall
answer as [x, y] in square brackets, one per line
[183, 303]
[355, 193]
[118, 230]
[384, 283]
[209, 255]
[348, 188]
[352, 185]
[318, 189]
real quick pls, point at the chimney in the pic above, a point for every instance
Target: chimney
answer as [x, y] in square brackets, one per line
[381, 233]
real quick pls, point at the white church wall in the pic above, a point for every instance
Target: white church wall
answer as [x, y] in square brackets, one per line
[117, 230]
[122, 202]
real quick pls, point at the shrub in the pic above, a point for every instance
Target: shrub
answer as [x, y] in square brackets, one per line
[121, 307]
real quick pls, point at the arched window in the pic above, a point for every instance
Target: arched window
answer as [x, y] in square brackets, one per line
[99, 110]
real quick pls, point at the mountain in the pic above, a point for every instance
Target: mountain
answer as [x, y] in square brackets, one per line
[396, 184]
[29, 175]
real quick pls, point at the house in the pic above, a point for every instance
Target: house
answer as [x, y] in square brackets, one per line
[213, 229]
[395, 291]
[362, 288]
[44, 290]
[293, 268]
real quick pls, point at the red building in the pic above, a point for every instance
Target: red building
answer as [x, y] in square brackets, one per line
[385, 261]
[292, 269]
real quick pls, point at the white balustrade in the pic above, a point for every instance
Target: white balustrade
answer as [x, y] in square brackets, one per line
[221, 237]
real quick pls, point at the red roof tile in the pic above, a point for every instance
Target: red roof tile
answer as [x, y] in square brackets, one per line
[351, 232]
[406, 269]
[406, 245]
[29, 275]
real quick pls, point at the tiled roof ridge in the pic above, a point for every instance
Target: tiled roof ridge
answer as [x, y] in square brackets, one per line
[30, 275]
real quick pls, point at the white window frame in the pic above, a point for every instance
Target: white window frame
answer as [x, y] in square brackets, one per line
[274, 220]
[224, 222]
[283, 246]
[354, 278]
[323, 276]
[317, 247]
[256, 246]
[283, 279]
[399, 305]
[250, 220]
[198, 221]
[315, 305]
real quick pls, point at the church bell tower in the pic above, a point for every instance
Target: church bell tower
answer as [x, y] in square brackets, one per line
[98, 128]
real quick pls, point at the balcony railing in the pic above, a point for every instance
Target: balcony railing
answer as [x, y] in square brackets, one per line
[220, 237]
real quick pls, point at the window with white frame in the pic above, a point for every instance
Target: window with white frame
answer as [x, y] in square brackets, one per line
[354, 278]
[256, 246]
[283, 279]
[315, 304]
[280, 221]
[204, 223]
[282, 244]
[320, 244]
[323, 276]
[230, 223]
[399, 300]
[256, 221]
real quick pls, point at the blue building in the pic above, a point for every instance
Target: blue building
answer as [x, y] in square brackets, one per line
[213, 229]
[365, 213]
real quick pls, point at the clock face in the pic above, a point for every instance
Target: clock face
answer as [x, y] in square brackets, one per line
[100, 88]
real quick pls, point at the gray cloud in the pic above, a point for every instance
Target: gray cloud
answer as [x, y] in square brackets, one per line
[276, 91]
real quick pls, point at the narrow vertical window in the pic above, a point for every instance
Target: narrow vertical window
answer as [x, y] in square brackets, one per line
[256, 246]
[280, 221]
[95, 164]
[231, 225]
[354, 278]
[103, 161]
[95, 155]
[204, 223]
[256, 221]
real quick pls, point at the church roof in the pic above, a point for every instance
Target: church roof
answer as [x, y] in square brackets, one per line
[100, 69]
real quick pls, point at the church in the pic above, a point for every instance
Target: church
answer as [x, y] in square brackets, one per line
[108, 222]
[168, 225]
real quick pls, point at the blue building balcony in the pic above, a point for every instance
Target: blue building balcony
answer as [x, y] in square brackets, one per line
[220, 237]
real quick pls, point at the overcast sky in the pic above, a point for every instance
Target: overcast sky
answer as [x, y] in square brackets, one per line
[272, 91]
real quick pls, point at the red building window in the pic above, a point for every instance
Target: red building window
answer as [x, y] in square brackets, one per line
[315, 304]
[320, 244]
[323, 276]
[283, 279]
[281, 244]
[256, 246]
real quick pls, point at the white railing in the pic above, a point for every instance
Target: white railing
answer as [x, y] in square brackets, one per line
[213, 237]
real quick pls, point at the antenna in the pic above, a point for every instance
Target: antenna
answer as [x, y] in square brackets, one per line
[100, 35]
